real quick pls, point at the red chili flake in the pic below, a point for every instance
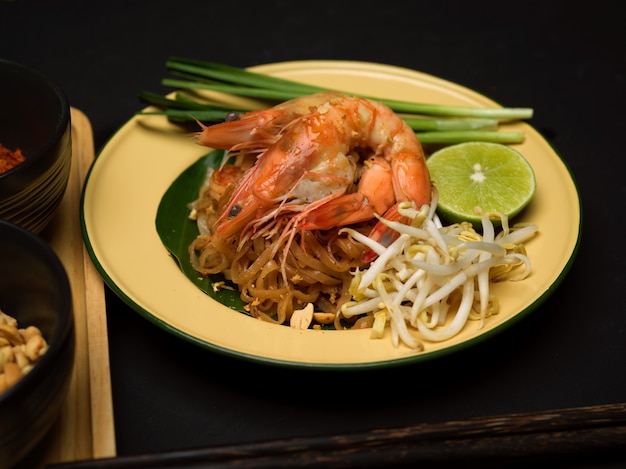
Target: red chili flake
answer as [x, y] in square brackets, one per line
[9, 159]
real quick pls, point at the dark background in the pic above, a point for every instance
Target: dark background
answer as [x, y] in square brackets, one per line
[565, 59]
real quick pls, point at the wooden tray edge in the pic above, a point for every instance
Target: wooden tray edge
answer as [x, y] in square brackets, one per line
[85, 429]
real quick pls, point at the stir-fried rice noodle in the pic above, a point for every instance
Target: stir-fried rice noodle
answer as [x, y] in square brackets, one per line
[318, 266]
[425, 286]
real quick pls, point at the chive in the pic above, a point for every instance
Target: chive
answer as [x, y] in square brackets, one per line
[261, 83]
[422, 123]
[207, 113]
[228, 74]
[433, 123]
[181, 102]
[183, 115]
[263, 93]
[449, 137]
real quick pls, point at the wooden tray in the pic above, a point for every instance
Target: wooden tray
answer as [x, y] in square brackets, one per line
[85, 429]
[84, 436]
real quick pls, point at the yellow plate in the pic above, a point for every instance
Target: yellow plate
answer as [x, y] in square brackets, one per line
[139, 163]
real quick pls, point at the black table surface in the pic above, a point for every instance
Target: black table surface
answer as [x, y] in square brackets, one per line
[565, 59]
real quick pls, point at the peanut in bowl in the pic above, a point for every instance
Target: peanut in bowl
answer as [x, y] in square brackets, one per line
[37, 324]
[20, 349]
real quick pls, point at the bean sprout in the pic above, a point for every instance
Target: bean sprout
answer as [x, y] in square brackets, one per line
[434, 278]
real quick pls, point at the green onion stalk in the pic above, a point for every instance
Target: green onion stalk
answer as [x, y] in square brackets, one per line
[433, 123]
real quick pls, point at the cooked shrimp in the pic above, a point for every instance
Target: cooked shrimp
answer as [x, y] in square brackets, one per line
[344, 161]
[258, 130]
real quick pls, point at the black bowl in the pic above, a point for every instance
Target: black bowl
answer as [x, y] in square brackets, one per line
[35, 117]
[35, 290]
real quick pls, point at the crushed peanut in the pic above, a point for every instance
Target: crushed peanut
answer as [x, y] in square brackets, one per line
[324, 318]
[20, 349]
[301, 318]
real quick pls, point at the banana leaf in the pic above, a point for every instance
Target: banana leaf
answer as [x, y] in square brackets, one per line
[177, 231]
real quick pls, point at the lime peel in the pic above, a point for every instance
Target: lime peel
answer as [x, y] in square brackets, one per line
[474, 179]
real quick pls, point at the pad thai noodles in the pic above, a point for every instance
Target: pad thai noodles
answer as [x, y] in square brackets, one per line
[315, 193]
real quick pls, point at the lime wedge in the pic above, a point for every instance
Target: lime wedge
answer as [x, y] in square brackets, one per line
[477, 178]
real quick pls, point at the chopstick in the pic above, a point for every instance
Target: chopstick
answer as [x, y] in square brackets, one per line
[572, 435]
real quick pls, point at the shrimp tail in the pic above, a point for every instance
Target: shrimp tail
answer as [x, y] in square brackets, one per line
[344, 210]
[382, 234]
